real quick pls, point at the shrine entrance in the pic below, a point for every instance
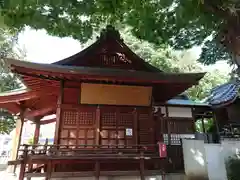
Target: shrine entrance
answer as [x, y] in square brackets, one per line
[107, 126]
[118, 127]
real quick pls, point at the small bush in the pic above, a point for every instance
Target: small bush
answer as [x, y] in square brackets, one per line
[233, 168]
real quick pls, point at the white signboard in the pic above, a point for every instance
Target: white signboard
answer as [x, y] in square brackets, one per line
[129, 132]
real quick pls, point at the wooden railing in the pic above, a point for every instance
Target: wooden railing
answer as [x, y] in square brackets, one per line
[63, 150]
[49, 157]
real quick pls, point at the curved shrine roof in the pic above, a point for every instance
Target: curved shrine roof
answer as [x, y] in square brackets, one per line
[224, 94]
[108, 44]
[165, 85]
[59, 72]
[184, 102]
[29, 100]
[108, 60]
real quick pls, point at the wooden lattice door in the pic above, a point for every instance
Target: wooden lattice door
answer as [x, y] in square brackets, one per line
[78, 127]
[161, 127]
[86, 126]
[145, 126]
[117, 127]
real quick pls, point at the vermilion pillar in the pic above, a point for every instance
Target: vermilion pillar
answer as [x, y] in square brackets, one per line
[36, 132]
[16, 140]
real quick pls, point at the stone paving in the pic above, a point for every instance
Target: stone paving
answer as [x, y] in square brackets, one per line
[4, 175]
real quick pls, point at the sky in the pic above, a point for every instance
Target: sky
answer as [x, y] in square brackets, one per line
[43, 48]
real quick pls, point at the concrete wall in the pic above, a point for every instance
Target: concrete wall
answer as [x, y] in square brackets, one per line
[207, 161]
[230, 148]
[194, 159]
[215, 162]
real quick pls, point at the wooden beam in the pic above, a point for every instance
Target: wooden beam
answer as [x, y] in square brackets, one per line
[91, 173]
[17, 97]
[97, 125]
[215, 120]
[194, 119]
[49, 121]
[13, 107]
[30, 175]
[39, 112]
[15, 162]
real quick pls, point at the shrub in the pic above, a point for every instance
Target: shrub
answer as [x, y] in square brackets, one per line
[233, 168]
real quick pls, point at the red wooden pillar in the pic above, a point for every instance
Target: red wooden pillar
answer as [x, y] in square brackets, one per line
[142, 168]
[49, 170]
[136, 127]
[97, 170]
[58, 113]
[35, 141]
[98, 126]
[36, 132]
[18, 137]
[58, 118]
[23, 165]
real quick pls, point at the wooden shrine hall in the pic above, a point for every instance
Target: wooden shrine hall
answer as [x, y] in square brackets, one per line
[106, 123]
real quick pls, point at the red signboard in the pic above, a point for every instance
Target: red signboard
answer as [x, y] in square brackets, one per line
[162, 150]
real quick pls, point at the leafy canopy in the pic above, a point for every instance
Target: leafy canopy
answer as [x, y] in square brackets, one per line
[8, 81]
[165, 59]
[181, 24]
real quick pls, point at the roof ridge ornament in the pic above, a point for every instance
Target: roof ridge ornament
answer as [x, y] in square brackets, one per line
[110, 32]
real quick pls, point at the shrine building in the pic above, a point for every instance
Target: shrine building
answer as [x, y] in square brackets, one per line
[111, 113]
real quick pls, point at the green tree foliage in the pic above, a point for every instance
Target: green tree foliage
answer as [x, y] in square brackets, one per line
[209, 81]
[8, 81]
[167, 60]
[208, 125]
[187, 63]
[181, 24]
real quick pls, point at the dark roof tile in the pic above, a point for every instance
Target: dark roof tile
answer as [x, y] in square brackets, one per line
[224, 94]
